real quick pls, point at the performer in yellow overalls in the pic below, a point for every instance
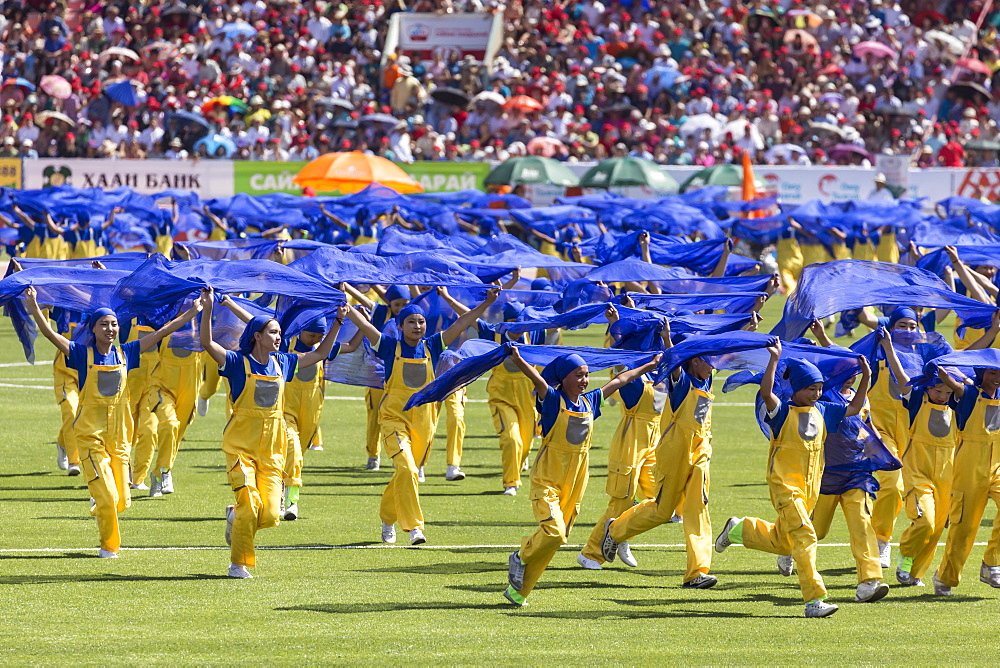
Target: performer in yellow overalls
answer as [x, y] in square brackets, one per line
[255, 437]
[67, 392]
[409, 364]
[559, 476]
[682, 473]
[143, 431]
[795, 469]
[790, 260]
[101, 425]
[976, 478]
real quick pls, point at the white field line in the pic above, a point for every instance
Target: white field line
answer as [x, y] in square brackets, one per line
[377, 546]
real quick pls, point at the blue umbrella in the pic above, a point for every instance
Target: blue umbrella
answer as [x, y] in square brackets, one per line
[661, 77]
[20, 82]
[212, 144]
[123, 92]
[238, 29]
[185, 117]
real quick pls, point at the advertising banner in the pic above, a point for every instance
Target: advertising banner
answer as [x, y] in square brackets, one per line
[438, 177]
[208, 178]
[10, 172]
[261, 178]
[427, 33]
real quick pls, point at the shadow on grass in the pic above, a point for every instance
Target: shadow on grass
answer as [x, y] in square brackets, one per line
[363, 608]
[108, 577]
[33, 474]
[49, 555]
[461, 568]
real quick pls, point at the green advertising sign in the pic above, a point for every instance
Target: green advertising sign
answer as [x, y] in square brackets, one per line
[261, 178]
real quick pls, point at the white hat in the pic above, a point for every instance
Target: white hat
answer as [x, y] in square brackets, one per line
[880, 178]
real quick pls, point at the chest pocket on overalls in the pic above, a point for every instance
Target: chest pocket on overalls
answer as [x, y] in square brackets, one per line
[808, 425]
[181, 352]
[265, 391]
[702, 407]
[578, 427]
[991, 415]
[939, 423]
[508, 365]
[414, 373]
[109, 381]
[307, 374]
[659, 400]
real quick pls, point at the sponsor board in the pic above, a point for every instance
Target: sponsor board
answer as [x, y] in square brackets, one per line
[261, 178]
[10, 172]
[427, 33]
[438, 177]
[207, 178]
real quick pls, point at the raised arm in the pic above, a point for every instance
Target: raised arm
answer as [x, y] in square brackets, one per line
[364, 325]
[111, 217]
[858, 402]
[626, 377]
[817, 329]
[986, 340]
[54, 227]
[151, 339]
[771, 400]
[515, 276]
[973, 287]
[456, 306]
[957, 388]
[44, 326]
[214, 350]
[541, 387]
[25, 218]
[358, 297]
[902, 378]
[720, 266]
[353, 344]
[468, 318]
[323, 349]
[237, 310]
[333, 219]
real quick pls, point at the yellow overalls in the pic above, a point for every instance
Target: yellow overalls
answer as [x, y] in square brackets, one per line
[254, 444]
[631, 460]
[85, 248]
[887, 250]
[303, 408]
[927, 471]
[863, 249]
[101, 430]
[813, 253]
[892, 421]
[165, 244]
[66, 385]
[857, 507]
[454, 415]
[790, 262]
[682, 471]
[976, 480]
[794, 474]
[373, 434]
[141, 427]
[210, 382]
[512, 403]
[841, 251]
[406, 437]
[558, 481]
[171, 400]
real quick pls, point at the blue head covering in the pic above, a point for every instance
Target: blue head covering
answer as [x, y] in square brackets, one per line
[562, 366]
[395, 292]
[511, 310]
[541, 284]
[97, 315]
[408, 310]
[899, 313]
[84, 333]
[317, 325]
[255, 325]
[802, 374]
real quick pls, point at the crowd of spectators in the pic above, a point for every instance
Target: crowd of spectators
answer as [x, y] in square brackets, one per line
[676, 81]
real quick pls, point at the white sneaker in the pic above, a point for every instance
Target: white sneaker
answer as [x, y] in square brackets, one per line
[202, 407]
[73, 470]
[107, 554]
[990, 575]
[373, 464]
[155, 487]
[524, 466]
[676, 519]
[819, 608]
[510, 491]
[871, 591]
[722, 540]
[241, 572]
[315, 447]
[907, 580]
[940, 588]
[589, 564]
[142, 487]
[291, 512]
[420, 474]
[625, 554]
[786, 565]
[230, 517]
[388, 533]
[885, 553]
[417, 537]
[62, 461]
[166, 482]
[454, 473]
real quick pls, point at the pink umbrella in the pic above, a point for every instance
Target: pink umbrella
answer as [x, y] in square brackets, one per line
[877, 49]
[974, 65]
[546, 146]
[56, 86]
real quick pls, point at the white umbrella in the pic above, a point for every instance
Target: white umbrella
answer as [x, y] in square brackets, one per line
[946, 41]
[787, 152]
[489, 96]
[738, 127]
[696, 125]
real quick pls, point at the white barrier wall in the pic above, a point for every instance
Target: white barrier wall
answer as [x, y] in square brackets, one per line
[207, 178]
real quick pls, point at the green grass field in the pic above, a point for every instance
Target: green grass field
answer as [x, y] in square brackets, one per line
[335, 595]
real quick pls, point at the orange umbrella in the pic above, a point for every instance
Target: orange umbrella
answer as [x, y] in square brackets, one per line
[524, 103]
[352, 172]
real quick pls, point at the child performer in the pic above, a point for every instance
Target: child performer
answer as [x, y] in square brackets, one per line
[254, 439]
[559, 476]
[102, 420]
[409, 364]
[795, 470]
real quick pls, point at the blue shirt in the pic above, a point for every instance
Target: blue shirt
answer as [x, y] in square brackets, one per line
[485, 331]
[303, 348]
[548, 408]
[833, 414]
[77, 358]
[386, 351]
[680, 388]
[964, 406]
[278, 364]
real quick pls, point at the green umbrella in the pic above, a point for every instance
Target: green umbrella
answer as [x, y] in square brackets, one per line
[719, 175]
[532, 169]
[628, 172]
[983, 145]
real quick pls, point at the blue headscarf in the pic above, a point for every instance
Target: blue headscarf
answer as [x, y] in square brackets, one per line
[408, 310]
[317, 325]
[562, 366]
[395, 292]
[541, 284]
[511, 310]
[255, 325]
[899, 313]
[95, 316]
[802, 374]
